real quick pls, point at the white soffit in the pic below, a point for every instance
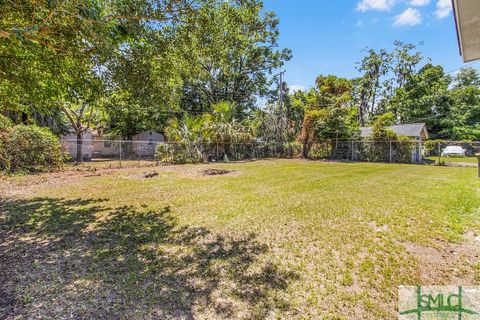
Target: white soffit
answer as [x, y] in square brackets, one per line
[467, 18]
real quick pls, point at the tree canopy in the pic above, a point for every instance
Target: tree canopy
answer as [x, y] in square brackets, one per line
[128, 66]
[148, 60]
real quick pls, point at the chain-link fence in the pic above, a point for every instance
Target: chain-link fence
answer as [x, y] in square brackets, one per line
[93, 150]
[152, 152]
[455, 153]
[369, 151]
[122, 151]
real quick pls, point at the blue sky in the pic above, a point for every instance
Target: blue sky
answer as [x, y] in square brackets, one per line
[327, 36]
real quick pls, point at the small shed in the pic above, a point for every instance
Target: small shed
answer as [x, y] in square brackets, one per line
[149, 136]
[417, 131]
[145, 143]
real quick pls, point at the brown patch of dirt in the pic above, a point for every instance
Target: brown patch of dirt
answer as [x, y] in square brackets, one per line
[93, 175]
[461, 164]
[383, 228]
[17, 185]
[216, 172]
[449, 263]
[144, 175]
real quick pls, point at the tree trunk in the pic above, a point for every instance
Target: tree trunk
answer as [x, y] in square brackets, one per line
[201, 149]
[79, 147]
[306, 149]
[361, 109]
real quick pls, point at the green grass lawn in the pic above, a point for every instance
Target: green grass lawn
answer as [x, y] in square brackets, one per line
[455, 159]
[273, 239]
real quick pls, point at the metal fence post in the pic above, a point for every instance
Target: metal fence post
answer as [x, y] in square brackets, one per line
[478, 159]
[419, 151]
[62, 152]
[353, 150]
[390, 154]
[439, 152]
[120, 165]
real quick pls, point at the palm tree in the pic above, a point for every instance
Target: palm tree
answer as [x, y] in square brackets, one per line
[226, 130]
[192, 134]
[220, 127]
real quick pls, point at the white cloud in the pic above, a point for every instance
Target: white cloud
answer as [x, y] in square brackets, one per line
[296, 87]
[379, 5]
[410, 17]
[444, 7]
[419, 3]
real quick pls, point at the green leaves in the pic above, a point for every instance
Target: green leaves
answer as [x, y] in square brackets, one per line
[383, 74]
[230, 48]
[29, 149]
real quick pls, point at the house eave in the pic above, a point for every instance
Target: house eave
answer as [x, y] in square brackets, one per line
[467, 21]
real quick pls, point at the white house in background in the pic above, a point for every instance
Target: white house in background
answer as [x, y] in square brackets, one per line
[145, 142]
[69, 143]
[149, 136]
[416, 131]
[95, 145]
[141, 145]
[104, 147]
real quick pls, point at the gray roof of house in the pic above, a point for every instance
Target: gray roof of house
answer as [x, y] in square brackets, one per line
[407, 130]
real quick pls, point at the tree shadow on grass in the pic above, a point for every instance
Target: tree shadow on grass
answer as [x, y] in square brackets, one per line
[79, 259]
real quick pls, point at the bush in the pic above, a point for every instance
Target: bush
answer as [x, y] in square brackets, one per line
[320, 151]
[431, 147]
[404, 149]
[400, 150]
[29, 149]
[5, 123]
[292, 149]
[177, 153]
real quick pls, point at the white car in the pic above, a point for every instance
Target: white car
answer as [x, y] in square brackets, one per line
[453, 151]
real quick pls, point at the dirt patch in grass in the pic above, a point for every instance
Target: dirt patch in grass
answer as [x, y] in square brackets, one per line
[216, 172]
[447, 263]
[462, 164]
[25, 184]
[22, 184]
[144, 175]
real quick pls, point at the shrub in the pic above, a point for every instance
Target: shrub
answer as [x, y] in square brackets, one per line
[292, 149]
[319, 151]
[29, 149]
[403, 150]
[400, 150]
[431, 147]
[373, 151]
[5, 123]
[177, 153]
[265, 149]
